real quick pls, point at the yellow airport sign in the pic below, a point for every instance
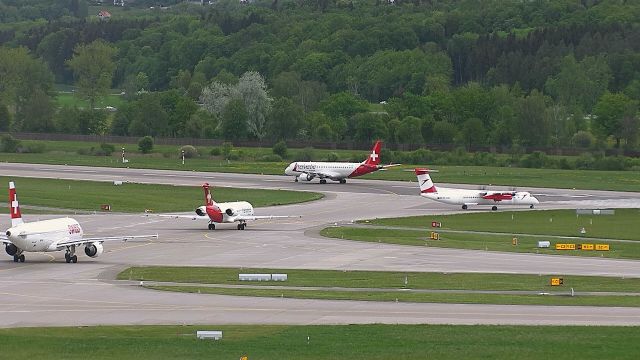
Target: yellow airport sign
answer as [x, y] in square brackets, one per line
[565, 246]
[556, 281]
[587, 246]
[602, 247]
[434, 236]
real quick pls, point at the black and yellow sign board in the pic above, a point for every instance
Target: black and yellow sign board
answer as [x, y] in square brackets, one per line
[434, 236]
[565, 246]
[556, 281]
[587, 247]
[602, 247]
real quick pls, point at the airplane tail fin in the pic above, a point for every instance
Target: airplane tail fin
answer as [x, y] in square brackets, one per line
[374, 157]
[425, 182]
[14, 206]
[208, 200]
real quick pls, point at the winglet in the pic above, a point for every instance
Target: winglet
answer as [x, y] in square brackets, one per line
[14, 206]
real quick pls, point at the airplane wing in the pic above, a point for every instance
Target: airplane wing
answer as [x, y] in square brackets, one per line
[383, 167]
[183, 216]
[258, 217]
[101, 239]
[5, 240]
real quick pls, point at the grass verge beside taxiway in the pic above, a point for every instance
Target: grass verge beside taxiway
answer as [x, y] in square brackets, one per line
[130, 197]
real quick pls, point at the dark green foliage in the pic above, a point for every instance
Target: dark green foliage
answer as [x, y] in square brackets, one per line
[306, 154]
[8, 143]
[189, 151]
[227, 148]
[145, 144]
[331, 157]
[280, 149]
[216, 151]
[234, 120]
[536, 159]
[107, 149]
[5, 118]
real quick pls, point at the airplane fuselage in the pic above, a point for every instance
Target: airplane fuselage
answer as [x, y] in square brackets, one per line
[476, 197]
[44, 235]
[332, 170]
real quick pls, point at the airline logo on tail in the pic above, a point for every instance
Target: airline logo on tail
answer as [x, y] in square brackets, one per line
[213, 211]
[14, 206]
[425, 182]
[374, 157]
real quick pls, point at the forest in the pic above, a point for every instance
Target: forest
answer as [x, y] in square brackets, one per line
[464, 73]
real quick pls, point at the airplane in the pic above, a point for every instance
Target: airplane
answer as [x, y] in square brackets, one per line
[467, 198]
[228, 212]
[51, 235]
[336, 171]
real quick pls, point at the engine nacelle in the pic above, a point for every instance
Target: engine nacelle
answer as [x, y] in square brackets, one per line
[11, 249]
[201, 211]
[94, 249]
[229, 212]
[305, 177]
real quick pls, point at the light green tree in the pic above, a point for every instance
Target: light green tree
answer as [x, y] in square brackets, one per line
[93, 66]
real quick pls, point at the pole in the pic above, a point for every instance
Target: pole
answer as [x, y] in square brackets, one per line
[123, 155]
[182, 157]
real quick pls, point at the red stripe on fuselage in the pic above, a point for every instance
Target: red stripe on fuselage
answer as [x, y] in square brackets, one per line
[429, 190]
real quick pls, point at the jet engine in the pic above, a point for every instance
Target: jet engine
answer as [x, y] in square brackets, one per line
[94, 249]
[229, 212]
[201, 211]
[11, 249]
[305, 177]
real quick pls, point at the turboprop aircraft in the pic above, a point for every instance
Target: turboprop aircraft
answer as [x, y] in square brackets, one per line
[50, 235]
[468, 198]
[228, 212]
[336, 171]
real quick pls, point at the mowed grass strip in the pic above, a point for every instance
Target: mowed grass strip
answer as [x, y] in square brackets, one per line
[497, 242]
[90, 195]
[380, 279]
[356, 342]
[623, 225]
[458, 298]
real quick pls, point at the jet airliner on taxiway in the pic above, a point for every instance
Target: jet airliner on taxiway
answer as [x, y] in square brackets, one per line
[336, 171]
[228, 212]
[50, 235]
[467, 198]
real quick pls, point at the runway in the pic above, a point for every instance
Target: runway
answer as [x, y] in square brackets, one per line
[45, 291]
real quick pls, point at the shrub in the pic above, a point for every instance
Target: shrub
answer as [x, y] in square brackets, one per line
[536, 159]
[9, 144]
[189, 151]
[145, 144]
[582, 139]
[34, 148]
[227, 147]
[280, 149]
[270, 158]
[611, 163]
[332, 156]
[107, 149]
[216, 151]
[306, 154]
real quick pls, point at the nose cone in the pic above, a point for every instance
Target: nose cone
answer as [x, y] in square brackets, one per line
[289, 169]
[535, 200]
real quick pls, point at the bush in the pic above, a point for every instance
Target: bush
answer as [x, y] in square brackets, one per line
[611, 163]
[9, 144]
[536, 159]
[216, 151]
[582, 139]
[280, 149]
[386, 156]
[227, 147]
[107, 149]
[189, 151]
[145, 144]
[270, 158]
[332, 157]
[35, 148]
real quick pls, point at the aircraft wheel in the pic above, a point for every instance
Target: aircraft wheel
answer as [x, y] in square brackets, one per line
[464, 207]
[343, 181]
[21, 258]
[67, 257]
[212, 226]
[244, 226]
[239, 226]
[323, 181]
[16, 258]
[531, 206]
[74, 259]
[494, 208]
[296, 179]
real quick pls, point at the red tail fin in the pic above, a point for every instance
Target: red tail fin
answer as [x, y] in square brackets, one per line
[374, 157]
[14, 206]
[208, 200]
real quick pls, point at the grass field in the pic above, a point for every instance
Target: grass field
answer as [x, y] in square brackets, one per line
[167, 157]
[70, 99]
[324, 342]
[384, 286]
[89, 195]
[530, 227]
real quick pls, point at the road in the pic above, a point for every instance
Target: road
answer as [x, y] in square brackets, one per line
[45, 291]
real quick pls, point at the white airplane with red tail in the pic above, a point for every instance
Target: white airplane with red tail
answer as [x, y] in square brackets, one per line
[336, 171]
[468, 198]
[227, 212]
[51, 235]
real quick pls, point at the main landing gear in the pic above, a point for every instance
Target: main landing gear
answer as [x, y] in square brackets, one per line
[70, 255]
[18, 258]
[212, 226]
[494, 208]
[323, 181]
[241, 226]
[531, 206]
[464, 207]
[343, 181]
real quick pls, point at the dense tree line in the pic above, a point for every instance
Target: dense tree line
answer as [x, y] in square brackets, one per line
[490, 73]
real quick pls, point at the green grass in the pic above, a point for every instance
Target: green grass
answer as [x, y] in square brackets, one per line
[623, 225]
[89, 195]
[167, 157]
[526, 244]
[71, 100]
[384, 286]
[281, 342]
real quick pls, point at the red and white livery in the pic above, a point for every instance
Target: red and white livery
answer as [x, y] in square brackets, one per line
[336, 171]
[227, 212]
[50, 235]
[468, 198]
